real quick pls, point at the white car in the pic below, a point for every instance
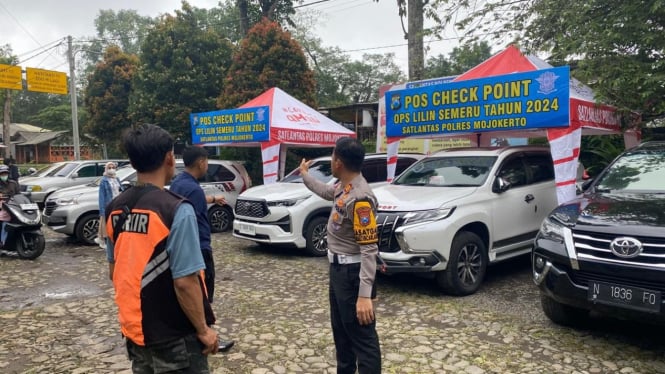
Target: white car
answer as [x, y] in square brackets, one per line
[455, 212]
[75, 210]
[287, 213]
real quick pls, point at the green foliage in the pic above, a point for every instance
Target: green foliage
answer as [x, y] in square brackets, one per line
[459, 60]
[107, 96]
[616, 47]
[339, 80]
[268, 57]
[54, 117]
[598, 151]
[181, 70]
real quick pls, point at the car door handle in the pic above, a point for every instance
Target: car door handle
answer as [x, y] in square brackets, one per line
[528, 198]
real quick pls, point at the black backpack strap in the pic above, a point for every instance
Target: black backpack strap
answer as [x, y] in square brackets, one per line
[127, 208]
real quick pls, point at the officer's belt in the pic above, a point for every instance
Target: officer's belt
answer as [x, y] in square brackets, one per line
[335, 258]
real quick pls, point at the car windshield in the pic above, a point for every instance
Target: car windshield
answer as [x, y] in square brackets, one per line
[640, 171]
[63, 170]
[46, 170]
[448, 171]
[319, 170]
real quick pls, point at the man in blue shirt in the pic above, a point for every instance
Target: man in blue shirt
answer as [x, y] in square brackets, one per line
[187, 185]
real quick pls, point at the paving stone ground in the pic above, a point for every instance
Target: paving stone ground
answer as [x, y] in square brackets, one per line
[57, 316]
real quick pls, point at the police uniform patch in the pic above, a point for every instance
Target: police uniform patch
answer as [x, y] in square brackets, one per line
[364, 223]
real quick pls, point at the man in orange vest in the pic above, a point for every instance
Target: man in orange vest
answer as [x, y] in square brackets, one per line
[156, 265]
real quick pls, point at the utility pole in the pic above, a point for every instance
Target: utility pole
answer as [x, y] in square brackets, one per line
[72, 93]
[415, 37]
[6, 132]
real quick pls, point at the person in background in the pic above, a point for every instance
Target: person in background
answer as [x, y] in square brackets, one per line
[352, 253]
[187, 185]
[8, 188]
[13, 169]
[109, 188]
[156, 264]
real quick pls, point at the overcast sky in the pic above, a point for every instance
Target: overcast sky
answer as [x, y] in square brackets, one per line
[351, 25]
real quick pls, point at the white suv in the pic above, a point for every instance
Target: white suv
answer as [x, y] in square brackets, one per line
[287, 213]
[453, 213]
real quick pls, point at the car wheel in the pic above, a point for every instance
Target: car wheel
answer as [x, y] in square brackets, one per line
[31, 246]
[221, 218]
[316, 236]
[466, 267]
[87, 228]
[562, 314]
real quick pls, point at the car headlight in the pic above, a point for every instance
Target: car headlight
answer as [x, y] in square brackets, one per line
[67, 200]
[428, 215]
[287, 202]
[34, 188]
[551, 229]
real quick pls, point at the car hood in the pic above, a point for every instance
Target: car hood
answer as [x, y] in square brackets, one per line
[74, 191]
[401, 198]
[635, 214]
[277, 191]
[46, 181]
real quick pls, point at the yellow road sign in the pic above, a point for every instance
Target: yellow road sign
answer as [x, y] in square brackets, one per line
[10, 77]
[50, 81]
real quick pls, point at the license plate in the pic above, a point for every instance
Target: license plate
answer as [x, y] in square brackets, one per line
[247, 229]
[30, 206]
[629, 297]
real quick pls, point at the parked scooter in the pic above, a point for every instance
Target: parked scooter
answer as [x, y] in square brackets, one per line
[24, 235]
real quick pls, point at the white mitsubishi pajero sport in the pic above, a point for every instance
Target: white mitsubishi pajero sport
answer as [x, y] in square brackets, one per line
[453, 213]
[287, 213]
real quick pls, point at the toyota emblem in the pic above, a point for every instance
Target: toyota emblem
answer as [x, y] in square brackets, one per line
[626, 247]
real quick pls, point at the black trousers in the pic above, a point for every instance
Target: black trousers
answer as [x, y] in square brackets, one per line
[209, 274]
[357, 346]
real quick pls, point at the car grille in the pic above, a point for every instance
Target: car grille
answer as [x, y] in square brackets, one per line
[598, 245]
[386, 224]
[49, 207]
[251, 208]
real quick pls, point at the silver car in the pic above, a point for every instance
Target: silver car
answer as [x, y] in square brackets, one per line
[65, 174]
[75, 210]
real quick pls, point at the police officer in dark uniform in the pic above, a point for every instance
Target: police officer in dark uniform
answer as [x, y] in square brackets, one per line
[352, 253]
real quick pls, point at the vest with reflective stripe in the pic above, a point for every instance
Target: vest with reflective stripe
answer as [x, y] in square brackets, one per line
[148, 308]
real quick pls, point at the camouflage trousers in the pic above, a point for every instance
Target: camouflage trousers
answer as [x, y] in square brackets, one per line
[179, 356]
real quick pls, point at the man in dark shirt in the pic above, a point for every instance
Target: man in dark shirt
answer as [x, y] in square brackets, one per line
[187, 185]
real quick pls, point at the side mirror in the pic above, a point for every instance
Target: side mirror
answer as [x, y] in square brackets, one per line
[125, 185]
[500, 185]
[587, 183]
[75, 175]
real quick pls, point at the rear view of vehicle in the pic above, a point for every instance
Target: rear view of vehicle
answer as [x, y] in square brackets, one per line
[605, 250]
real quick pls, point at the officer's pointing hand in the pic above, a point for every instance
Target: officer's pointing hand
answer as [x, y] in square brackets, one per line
[304, 166]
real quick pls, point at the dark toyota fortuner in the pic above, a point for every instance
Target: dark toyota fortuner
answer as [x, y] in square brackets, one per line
[605, 251]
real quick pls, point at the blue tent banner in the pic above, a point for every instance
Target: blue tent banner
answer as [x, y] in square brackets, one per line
[520, 101]
[231, 125]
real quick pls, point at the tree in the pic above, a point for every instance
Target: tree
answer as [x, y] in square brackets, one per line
[182, 65]
[107, 95]
[268, 57]
[361, 79]
[616, 47]
[251, 13]
[459, 60]
[124, 28]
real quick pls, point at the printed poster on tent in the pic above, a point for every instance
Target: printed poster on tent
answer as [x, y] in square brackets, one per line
[240, 125]
[519, 101]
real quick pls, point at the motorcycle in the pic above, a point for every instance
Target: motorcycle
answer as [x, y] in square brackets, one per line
[24, 234]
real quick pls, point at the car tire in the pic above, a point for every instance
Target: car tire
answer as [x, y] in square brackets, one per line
[316, 236]
[562, 314]
[466, 267]
[87, 228]
[221, 218]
